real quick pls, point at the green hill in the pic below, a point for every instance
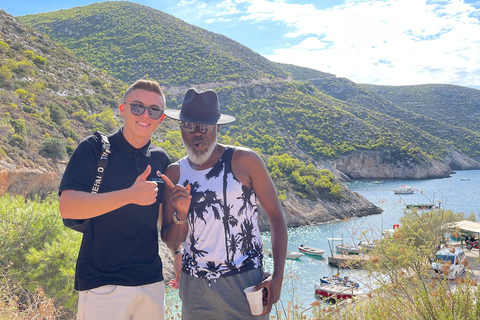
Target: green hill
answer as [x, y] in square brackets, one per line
[131, 41]
[280, 108]
[49, 98]
[448, 114]
[453, 105]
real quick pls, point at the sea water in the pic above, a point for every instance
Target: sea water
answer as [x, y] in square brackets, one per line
[301, 274]
[454, 193]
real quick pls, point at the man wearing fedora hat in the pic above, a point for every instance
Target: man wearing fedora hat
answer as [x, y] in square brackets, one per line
[210, 207]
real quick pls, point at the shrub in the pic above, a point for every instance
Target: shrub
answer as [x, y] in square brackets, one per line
[5, 72]
[22, 94]
[36, 251]
[18, 125]
[4, 46]
[53, 148]
[40, 60]
[57, 115]
[16, 140]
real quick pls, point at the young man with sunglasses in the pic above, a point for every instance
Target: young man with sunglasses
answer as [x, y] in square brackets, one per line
[210, 207]
[119, 271]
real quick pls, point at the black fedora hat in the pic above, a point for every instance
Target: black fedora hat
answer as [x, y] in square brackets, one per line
[200, 107]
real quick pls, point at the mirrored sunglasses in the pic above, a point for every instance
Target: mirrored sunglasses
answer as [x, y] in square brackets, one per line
[190, 127]
[154, 112]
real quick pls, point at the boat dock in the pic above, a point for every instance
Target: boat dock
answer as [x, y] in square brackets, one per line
[348, 260]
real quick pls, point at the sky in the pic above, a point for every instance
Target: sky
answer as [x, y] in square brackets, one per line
[384, 42]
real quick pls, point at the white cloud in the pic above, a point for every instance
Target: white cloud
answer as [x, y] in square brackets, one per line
[389, 42]
[370, 41]
[227, 7]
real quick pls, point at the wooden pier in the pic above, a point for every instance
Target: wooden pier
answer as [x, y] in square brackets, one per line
[348, 260]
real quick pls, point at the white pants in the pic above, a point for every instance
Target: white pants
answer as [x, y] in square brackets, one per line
[123, 303]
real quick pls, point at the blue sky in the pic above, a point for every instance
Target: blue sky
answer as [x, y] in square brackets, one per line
[387, 42]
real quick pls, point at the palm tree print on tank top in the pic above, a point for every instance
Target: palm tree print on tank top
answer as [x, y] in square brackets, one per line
[223, 236]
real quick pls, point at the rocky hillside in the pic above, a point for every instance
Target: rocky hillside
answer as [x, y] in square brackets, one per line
[51, 99]
[329, 123]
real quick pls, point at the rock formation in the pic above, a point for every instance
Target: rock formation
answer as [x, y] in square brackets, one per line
[381, 165]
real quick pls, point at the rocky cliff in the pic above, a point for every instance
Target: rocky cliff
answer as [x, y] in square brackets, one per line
[298, 212]
[382, 165]
[301, 212]
[24, 181]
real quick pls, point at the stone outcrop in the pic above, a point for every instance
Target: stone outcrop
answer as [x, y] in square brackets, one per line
[382, 165]
[458, 161]
[27, 181]
[301, 212]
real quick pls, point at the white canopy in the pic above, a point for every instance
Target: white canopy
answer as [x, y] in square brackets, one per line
[470, 226]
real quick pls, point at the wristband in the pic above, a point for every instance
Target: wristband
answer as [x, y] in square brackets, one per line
[177, 252]
[176, 221]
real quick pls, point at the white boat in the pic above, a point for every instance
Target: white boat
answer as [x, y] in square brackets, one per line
[336, 291]
[464, 179]
[311, 250]
[294, 255]
[348, 249]
[368, 246]
[404, 190]
[336, 279]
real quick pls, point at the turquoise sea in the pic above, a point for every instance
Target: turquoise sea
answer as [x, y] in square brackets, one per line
[302, 274]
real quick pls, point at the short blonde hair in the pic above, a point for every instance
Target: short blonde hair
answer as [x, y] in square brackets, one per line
[149, 85]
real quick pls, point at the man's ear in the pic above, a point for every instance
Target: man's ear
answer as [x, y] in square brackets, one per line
[161, 119]
[121, 107]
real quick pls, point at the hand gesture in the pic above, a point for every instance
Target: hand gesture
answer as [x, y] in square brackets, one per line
[144, 192]
[179, 196]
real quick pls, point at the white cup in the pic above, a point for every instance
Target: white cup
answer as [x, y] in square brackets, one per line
[255, 300]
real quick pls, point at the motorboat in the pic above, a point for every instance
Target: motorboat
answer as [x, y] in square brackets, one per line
[311, 250]
[336, 279]
[464, 179]
[421, 206]
[404, 190]
[368, 246]
[348, 249]
[292, 255]
[336, 291]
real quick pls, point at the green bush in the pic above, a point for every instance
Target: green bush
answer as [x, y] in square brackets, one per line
[4, 46]
[53, 148]
[18, 125]
[36, 250]
[17, 140]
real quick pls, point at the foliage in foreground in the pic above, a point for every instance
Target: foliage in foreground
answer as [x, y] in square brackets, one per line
[37, 255]
[400, 267]
[37, 259]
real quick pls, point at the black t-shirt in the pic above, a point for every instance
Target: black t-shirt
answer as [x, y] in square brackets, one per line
[121, 246]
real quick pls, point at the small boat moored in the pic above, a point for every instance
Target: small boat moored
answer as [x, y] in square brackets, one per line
[404, 190]
[348, 249]
[292, 255]
[311, 250]
[336, 291]
[336, 279]
[421, 206]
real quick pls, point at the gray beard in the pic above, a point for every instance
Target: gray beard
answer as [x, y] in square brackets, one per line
[199, 157]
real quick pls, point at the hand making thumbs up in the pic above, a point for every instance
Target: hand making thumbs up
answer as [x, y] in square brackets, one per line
[179, 196]
[144, 192]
